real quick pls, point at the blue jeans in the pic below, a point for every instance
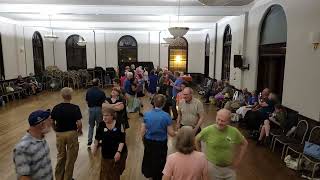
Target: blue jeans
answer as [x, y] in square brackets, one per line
[95, 117]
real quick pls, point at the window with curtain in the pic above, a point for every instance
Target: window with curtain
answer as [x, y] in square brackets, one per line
[127, 49]
[272, 50]
[178, 55]
[76, 55]
[38, 56]
[226, 54]
[2, 77]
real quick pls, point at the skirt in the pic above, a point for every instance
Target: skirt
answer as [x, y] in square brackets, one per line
[154, 158]
[111, 170]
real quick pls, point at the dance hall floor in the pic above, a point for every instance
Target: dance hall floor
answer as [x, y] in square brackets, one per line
[259, 162]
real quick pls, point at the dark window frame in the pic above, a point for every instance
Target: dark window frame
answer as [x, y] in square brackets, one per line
[74, 52]
[226, 53]
[38, 54]
[131, 47]
[186, 47]
[271, 56]
[2, 73]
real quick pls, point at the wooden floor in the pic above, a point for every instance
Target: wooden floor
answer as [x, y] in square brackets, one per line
[258, 164]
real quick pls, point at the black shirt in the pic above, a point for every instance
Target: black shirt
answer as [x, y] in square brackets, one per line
[95, 97]
[65, 116]
[111, 138]
[122, 116]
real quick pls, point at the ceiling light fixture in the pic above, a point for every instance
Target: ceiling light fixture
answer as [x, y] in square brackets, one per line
[178, 31]
[51, 37]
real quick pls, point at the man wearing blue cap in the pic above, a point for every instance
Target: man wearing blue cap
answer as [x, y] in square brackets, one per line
[31, 155]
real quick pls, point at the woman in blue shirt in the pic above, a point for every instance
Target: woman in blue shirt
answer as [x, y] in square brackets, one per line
[154, 129]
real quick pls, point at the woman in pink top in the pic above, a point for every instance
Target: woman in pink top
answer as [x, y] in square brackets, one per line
[186, 164]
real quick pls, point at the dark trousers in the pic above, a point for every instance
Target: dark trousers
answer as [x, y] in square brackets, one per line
[154, 158]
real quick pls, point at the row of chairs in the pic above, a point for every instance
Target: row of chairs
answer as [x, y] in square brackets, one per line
[296, 143]
[8, 90]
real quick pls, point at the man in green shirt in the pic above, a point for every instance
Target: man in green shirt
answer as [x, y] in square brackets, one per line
[225, 147]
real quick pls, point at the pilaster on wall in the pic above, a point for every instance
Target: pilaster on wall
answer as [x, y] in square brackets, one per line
[237, 24]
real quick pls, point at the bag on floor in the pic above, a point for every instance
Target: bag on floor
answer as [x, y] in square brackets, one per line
[291, 162]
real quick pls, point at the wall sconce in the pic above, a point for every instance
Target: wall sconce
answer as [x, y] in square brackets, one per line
[315, 39]
[21, 49]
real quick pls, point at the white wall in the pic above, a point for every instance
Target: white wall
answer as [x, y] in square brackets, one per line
[301, 84]
[237, 29]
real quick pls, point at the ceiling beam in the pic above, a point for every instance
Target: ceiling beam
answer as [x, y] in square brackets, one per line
[118, 10]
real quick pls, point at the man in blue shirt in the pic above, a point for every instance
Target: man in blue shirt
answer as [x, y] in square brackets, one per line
[94, 97]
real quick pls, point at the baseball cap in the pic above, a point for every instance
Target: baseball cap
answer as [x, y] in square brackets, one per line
[38, 116]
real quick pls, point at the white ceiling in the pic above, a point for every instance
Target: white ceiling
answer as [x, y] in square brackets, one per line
[112, 18]
[140, 14]
[108, 2]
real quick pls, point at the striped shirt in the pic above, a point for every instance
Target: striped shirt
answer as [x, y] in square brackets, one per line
[31, 157]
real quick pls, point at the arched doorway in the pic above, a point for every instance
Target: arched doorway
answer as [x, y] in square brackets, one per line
[178, 55]
[38, 57]
[226, 54]
[2, 77]
[207, 56]
[76, 55]
[127, 49]
[272, 50]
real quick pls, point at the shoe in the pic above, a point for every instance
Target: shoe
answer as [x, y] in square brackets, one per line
[89, 145]
[259, 142]
[140, 114]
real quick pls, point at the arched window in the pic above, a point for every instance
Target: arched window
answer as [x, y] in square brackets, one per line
[207, 56]
[178, 55]
[127, 49]
[272, 50]
[2, 77]
[38, 57]
[76, 55]
[226, 54]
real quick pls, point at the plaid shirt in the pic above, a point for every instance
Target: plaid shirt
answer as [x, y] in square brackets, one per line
[31, 157]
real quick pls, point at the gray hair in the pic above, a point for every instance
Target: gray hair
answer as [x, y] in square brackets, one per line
[185, 140]
[66, 93]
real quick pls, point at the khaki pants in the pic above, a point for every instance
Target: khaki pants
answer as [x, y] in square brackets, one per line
[67, 147]
[220, 173]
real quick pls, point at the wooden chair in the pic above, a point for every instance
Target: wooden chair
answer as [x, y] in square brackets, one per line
[297, 138]
[298, 148]
[5, 93]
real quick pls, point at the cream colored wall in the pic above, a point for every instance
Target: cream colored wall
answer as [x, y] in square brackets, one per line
[9, 49]
[301, 85]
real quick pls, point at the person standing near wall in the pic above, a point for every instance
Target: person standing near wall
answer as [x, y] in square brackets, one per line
[67, 124]
[222, 143]
[31, 156]
[94, 97]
